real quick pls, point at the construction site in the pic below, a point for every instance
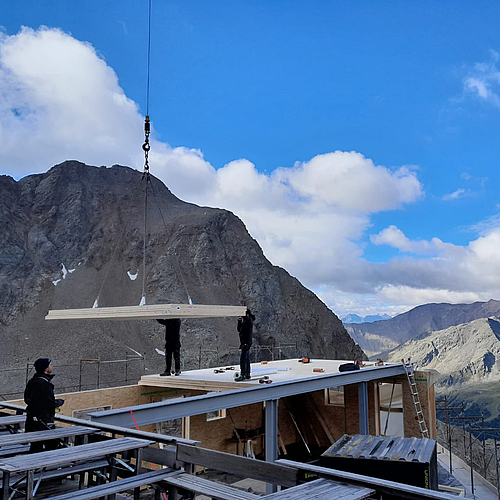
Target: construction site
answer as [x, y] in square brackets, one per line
[288, 428]
[296, 428]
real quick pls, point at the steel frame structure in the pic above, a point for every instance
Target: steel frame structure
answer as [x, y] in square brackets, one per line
[177, 408]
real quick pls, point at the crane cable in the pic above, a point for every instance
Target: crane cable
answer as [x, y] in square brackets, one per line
[147, 124]
[146, 147]
[146, 176]
[176, 260]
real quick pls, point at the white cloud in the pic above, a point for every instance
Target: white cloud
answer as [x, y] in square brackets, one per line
[459, 193]
[353, 182]
[484, 227]
[483, 81]
[416, 296]
[60, 100]
[394, 237]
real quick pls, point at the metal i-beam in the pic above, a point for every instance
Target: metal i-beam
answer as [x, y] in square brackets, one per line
[271, 438]
[177, 408]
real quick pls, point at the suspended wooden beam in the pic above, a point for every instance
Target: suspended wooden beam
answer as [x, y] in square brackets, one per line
[156, 311]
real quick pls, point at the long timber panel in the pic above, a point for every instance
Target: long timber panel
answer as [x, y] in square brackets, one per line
[156, 311]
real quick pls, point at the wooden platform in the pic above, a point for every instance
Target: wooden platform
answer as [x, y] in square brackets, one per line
[156, 311]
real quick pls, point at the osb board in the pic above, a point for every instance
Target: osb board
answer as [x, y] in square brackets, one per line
[155, 311]
[218, 434]
[333, 416]
[305, 409]
[116, 397]
[410, 423]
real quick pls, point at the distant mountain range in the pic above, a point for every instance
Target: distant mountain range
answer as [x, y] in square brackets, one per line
[380, 336]
[467, 357]
[464, 354]
[354, 318]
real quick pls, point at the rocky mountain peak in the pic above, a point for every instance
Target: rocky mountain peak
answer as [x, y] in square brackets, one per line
[464, 354]
[76, 232]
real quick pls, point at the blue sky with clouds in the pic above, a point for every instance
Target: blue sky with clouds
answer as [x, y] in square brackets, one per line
[357, 140]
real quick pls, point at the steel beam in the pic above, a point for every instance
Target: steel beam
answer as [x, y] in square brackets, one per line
[271, 439]
[363, 408]
[177, 408]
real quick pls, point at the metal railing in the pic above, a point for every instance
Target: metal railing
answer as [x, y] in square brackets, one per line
[85, 375]
[466, 437]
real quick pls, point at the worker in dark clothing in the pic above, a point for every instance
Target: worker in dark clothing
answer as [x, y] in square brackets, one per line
[245, 328]
[39, 396]
[172, 345]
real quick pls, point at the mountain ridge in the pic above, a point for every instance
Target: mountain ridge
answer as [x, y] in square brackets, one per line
[467, 359]
[388, 334]
[91, 221]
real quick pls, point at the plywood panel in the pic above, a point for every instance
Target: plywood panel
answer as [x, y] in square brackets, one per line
[156, 311]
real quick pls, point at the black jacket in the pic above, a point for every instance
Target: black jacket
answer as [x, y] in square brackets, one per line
[39, 396]
[172, 331]
[245, 328]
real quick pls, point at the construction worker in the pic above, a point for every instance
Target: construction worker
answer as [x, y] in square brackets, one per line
[39, 396]
[245, 328]
[172, 345]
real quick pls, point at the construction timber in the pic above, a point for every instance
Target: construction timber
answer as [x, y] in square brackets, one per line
[156, 311]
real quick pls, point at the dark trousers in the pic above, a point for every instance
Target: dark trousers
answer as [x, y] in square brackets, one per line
[38, 425]
[245, 360]
[174, 350]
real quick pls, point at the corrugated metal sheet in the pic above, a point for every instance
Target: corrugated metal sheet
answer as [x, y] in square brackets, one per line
[383, 448]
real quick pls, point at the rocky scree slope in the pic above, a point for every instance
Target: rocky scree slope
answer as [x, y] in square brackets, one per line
[465, 354]
[467, 357]
[76, 231]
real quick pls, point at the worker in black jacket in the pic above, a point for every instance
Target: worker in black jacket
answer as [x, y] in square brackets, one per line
[172, 345]
[39, 396]
[245, 328]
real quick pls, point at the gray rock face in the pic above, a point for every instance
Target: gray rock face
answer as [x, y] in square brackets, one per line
[467, 357]
[77, 232]
[386, 335]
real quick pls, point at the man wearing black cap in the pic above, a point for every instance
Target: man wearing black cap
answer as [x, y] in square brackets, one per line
[39, 396]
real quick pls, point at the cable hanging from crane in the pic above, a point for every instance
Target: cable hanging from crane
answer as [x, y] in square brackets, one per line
[146, 147]
[147, 124]
[146, 176]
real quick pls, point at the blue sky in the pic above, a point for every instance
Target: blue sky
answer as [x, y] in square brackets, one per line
[264, 93]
